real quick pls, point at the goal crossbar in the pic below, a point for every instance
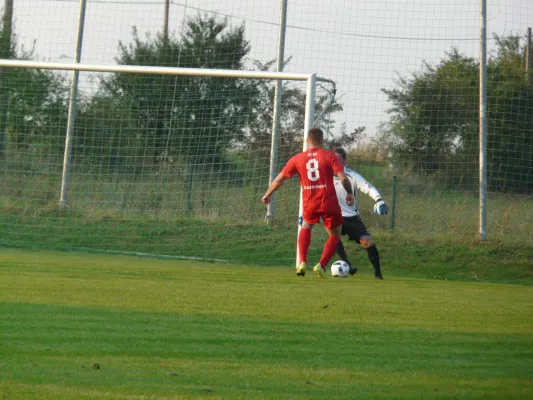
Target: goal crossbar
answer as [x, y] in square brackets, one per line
[143, 69]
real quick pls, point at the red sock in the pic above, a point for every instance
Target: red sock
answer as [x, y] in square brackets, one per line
[304, 240]
[330, 248]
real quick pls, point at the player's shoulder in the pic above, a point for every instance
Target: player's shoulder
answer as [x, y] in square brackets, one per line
[328, 155]
[299, 159]
[303, 155]
[297, 156]
[350, 172]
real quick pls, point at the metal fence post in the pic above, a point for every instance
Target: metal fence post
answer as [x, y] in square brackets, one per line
[393, 204]
[483, 124]
[277, 108]
[72, 108]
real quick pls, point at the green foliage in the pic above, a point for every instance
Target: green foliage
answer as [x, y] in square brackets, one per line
[7, 44]
[34, 102]
[168, 115]
[106, 129]
[434, 119]
[292, 112]
[292, 116]
[344, 139]
[510, 114]
[6, 51]
[37, 107]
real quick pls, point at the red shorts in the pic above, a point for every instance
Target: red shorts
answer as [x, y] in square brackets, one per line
[331, 220]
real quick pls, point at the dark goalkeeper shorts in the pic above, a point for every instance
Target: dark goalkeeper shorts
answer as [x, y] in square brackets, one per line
[354, 228]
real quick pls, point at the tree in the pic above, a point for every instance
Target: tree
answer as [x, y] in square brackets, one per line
[434, 113]
[197, 117]
[510, 118]
[6, 51]
[107, 129]
[434, 119]
[34, 103]
[344, 139]
[292, 115]
[37, 108]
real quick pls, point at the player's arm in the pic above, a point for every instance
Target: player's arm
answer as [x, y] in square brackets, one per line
[364, 186]
[347, 185]
[338, 169]
[274, 186]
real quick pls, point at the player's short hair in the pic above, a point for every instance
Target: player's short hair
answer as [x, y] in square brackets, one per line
[341, 152]
[316, 136]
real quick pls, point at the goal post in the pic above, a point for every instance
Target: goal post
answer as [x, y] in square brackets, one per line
[190, 198]
[309, 113]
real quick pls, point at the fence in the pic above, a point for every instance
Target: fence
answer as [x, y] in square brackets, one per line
[407, 103]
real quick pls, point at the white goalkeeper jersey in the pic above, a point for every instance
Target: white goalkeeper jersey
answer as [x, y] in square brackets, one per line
[358, 183]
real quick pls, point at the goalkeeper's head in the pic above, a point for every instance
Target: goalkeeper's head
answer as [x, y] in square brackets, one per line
[341, 155]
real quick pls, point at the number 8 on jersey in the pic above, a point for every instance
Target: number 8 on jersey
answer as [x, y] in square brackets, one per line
[313, 174]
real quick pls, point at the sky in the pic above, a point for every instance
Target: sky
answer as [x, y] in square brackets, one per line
[363, 45]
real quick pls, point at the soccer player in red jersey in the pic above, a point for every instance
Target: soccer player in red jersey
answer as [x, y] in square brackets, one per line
[315, 168]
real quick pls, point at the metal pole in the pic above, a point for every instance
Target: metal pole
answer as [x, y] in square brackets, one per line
[483, 124]
[189, 187]
[277, 107]
[6, 53]
[72, 107]
[528, 55]
[309, 107]
[393, 204]
[145, 69]
[308, 125]
[165, 22]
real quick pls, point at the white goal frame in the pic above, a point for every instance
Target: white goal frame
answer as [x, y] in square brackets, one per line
[311, 80]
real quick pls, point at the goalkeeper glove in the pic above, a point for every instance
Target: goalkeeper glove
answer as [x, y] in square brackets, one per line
[380, 208]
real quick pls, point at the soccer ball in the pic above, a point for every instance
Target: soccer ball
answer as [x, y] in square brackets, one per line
[340, 269]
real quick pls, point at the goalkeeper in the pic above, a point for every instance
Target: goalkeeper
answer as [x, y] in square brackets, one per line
[353, 226]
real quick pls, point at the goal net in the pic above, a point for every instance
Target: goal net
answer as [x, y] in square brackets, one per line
[162, 161]
[406, 110]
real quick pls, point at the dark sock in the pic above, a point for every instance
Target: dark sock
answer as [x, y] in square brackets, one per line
[342, 253]
[373, 256]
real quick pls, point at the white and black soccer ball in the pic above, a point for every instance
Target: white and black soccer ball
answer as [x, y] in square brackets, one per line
[340, 269]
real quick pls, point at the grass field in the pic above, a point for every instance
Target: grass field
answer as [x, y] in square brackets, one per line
[90, 326]
[169, 210]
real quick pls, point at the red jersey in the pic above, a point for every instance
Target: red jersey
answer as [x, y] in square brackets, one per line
[315, 168]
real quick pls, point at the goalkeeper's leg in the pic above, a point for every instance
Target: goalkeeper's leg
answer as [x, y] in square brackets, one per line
[344, 257]
[373, 255]
[342, 252]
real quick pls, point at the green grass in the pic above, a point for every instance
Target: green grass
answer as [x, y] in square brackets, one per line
[150, 210]
[89, 326]
[447, 257]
